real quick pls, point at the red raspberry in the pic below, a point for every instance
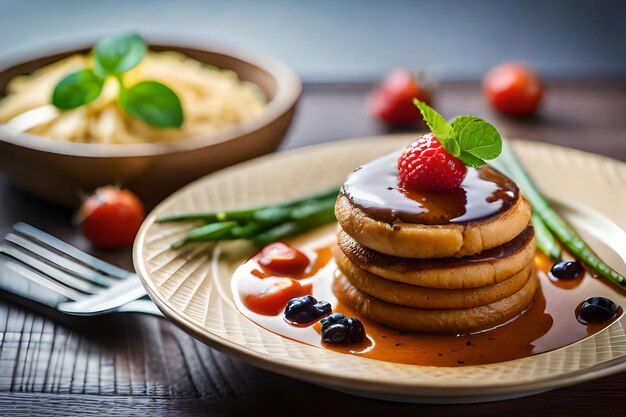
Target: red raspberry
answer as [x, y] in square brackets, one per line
[426, 166]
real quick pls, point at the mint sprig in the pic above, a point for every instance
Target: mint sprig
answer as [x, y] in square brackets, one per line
[469, 138]
[149, 101]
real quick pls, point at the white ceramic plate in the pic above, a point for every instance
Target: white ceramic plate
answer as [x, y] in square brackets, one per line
[192, 286]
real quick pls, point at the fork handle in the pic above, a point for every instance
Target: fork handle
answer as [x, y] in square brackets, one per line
[141, 306]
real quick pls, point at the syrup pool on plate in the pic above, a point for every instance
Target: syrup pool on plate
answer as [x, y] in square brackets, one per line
[549, 323]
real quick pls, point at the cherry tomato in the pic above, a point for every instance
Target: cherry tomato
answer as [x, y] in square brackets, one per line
[111, 217]
[270, 295]
[282, 259]
[513, 89]
[392, 100]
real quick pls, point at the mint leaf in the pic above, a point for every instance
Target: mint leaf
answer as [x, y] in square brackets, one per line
[470, 160]
[77, 89]
[469, 138]
[117, 54]
[451, 145]
[154, 103]
[440, 128]
[476, 137]
[434, 120]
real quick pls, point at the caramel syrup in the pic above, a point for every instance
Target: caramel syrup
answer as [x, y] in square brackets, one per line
[374, 189]
[549, 323]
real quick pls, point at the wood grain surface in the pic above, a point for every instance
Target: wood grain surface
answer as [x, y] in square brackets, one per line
[130, 364]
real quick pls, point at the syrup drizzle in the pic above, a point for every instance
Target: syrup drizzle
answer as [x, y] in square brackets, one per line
[374, 189]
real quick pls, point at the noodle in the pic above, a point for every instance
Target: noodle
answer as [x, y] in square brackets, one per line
[212, 100]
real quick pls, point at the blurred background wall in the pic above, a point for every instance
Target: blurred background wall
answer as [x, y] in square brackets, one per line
[351, 40]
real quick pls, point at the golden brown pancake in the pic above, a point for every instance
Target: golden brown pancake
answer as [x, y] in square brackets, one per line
[431, 298]
[486, 268]
[457, 321]
[411, 240]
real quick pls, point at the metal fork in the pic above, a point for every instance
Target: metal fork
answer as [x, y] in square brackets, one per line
[41, 268]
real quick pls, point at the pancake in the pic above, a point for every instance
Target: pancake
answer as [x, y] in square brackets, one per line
[487, 268]
[412, 240]
[457, 321]
[429, 298]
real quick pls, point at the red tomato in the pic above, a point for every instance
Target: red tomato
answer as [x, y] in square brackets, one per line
[392, 99]
[283, 259]
[513, 89]
[271, 295]
[111, 217]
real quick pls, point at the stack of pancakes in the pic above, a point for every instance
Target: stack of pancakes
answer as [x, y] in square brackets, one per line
[454, 278]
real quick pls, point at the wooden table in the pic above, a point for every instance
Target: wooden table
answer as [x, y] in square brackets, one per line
[133, 364]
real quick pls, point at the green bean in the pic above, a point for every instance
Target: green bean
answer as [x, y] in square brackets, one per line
[248, 231]
[272, 214]
[555, 223]
[209, 232]
[311, 208]
[249, 214]
[294, 227]
[545, 240]
[212, 217]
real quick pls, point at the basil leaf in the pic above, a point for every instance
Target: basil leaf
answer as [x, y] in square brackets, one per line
[77, 89]
[477, 137]
[154, 103]
[117, 54]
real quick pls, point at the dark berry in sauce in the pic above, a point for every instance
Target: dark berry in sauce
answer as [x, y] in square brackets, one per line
[567, 270]
[339, 329]
[597, 310]
[335, 333]
[306, 309]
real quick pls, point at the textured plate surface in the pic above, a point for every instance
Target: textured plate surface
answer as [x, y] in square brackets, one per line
[191, 286]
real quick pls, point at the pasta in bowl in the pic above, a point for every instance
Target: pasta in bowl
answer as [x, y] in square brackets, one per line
[212, 99]
[236, 105]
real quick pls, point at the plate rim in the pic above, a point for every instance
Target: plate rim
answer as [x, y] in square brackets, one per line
[309, 373]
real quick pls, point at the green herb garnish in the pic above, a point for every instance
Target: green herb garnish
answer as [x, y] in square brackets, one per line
[149, 101]
[469, 138]
[152, 102]
[117, 54]
[77, 89]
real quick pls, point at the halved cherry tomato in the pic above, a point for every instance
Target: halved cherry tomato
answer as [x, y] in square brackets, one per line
[111, 217]
[392, 99]
[282, 259]
[513, 89]
[269, 296]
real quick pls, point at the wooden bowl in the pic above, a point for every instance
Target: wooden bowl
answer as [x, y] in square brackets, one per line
[63, 171]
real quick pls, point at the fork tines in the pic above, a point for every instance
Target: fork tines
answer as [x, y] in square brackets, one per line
[57, 260]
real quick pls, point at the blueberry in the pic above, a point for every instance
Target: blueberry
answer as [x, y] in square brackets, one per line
[567, 270]
[333, 319]
[335, 333]
[339, 329]
[356, 331]
[322, 308]
[597, 310]
[306, 309]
